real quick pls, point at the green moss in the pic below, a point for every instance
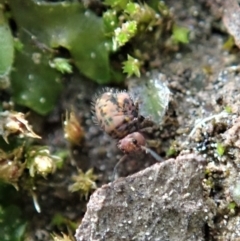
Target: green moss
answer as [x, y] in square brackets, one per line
[62, 65]
[180, 34]
[132, 8]
[60, 221]
[84, 183]
[229, 44]
[62, 237]
[171, 152]
[232, 205]
[220, 149]
[117, 4]
[110, 21]
[123, 34]
[131, 67]
[209, 183]
[44, 28]
[39, 161]
[228, 109]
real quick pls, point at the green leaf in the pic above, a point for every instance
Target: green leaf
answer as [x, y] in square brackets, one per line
[152, 94]
[43, 26]
[12, 225]
[12, 228]
[6, 47]
[35, 85]
[67, 25]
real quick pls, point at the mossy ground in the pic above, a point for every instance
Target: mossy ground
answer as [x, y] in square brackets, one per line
[199, 88]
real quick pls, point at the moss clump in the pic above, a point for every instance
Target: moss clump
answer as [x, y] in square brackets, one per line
[84, 183]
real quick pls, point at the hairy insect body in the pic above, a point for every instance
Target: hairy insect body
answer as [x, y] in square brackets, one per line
[117, 114]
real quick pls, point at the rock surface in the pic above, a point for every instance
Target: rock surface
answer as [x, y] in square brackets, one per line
[162, 202]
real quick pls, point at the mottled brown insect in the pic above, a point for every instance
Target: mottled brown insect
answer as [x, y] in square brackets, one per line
[118, 116]
[116, 113]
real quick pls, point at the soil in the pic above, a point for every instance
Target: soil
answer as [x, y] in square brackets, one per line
[202, 85]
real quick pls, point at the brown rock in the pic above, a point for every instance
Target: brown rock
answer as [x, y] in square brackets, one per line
[163, 202]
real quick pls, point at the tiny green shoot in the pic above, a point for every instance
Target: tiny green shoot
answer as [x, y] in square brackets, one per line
[220, 149]
[62, 65]
[180, 34]
[131, 67]
[124, 33]
[228, 109]
[232, 205]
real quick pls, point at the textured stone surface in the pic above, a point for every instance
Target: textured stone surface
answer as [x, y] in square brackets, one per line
[231, 18]
[232, 135]
[163, 202]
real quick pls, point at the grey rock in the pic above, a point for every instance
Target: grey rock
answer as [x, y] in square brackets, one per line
[163, 202]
